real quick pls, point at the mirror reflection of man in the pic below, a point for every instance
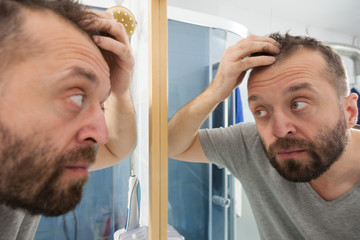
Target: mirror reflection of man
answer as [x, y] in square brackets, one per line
[65, 107]
[299, 162]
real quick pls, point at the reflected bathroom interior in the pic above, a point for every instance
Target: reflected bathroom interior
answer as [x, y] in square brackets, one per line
[195, 49]
[202, 197]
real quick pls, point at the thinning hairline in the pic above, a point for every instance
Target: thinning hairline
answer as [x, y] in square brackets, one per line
[27, 35]
[21, 44]
[325, 69]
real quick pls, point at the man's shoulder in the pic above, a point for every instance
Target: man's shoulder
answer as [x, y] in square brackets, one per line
[247, 125]
[246, 128]
[17, 222]
[7, 212]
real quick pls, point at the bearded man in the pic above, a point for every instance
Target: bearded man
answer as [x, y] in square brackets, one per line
[299, 162]
[61, 65]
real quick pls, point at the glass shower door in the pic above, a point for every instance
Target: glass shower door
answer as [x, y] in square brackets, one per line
[188, 76]
[200, 195]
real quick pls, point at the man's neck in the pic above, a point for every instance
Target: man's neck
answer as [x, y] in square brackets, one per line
[344, 174]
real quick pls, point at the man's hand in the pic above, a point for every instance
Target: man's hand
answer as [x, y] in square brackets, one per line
[184, 141]
[236, 61]
[118, 52]
[111, 37]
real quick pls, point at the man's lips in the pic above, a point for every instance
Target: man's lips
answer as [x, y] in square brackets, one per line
[290, 153]
[78, 165]
[78, 170]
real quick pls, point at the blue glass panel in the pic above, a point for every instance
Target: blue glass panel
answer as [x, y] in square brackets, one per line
[188, 76]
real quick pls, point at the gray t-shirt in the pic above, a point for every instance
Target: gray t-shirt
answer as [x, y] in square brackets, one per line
[17, 225]
[282, 209]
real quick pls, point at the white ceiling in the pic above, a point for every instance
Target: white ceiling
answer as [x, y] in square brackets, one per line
[342, 16]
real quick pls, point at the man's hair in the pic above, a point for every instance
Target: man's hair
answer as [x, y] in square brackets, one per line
[335, 70]
[15, 44]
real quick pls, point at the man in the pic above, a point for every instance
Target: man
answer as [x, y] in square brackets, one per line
[299, 163]
[54, 85]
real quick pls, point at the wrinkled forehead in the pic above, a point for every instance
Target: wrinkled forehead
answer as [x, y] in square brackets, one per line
[53, 32]
[309, 62]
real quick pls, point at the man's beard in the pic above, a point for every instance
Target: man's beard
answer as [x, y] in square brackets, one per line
[32, 175]
[327, 147]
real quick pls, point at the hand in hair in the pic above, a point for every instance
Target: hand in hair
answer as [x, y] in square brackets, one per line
[111, 37]
[241, 57]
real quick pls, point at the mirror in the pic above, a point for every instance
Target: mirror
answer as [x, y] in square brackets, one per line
[206, 202]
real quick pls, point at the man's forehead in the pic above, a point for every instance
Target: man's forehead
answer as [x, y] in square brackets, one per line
[301, 60]
[54, 30]
[49, 25]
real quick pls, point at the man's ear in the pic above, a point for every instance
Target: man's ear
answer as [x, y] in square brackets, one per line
[351, 109]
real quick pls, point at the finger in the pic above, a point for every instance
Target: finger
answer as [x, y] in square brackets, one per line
[249, 48]
[262, 47]
[111, 27]
[98, 13]
[123, 51]
[264, 39]
[105, 14]
[254, 45]
[251, 62]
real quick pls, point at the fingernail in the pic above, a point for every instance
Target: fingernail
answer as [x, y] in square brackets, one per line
[97, 39]
[85, 22]
[272, 59]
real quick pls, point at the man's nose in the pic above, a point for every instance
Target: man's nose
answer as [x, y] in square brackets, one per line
[94, 130]
[282, 125]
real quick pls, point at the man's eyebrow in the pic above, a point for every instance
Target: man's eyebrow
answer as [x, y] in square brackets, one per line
[253, 98]
[291, 89]
[90, 76]
[85, 73]
[299, 87]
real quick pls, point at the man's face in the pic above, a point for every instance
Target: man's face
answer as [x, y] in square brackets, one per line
[52, 118]
[301, 124]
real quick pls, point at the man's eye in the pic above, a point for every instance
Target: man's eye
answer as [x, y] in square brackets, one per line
[298, 105]
[260, 113]
[78, 99]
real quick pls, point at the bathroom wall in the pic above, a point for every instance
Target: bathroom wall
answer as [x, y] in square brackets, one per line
[263, 21]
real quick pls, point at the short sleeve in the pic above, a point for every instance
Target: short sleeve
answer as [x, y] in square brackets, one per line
[229, 147]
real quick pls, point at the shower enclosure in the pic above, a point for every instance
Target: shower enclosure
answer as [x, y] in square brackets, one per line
[203, 200]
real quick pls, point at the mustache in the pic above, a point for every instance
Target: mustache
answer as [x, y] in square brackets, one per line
[289, 142]
[80, 155]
